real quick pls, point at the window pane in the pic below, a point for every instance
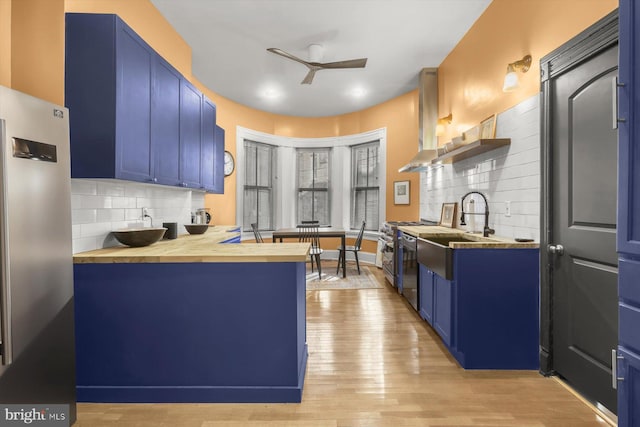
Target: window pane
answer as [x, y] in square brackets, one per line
[265, 219]
[372, 210]
[305, 169]
[258, 191]
[250, 208]
[250, 162]
[322, 170]
[322, 207]
[365, 185]
[313, 171]
[305, 209]
[264, 166]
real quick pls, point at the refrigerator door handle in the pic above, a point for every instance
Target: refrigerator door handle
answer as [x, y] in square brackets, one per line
[5, 288]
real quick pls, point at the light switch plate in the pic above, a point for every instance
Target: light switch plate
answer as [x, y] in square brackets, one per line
[507, 208]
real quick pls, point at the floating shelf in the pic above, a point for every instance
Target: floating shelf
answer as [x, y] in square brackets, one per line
[472, 149]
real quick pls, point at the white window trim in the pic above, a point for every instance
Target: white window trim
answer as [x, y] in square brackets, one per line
[285, 180]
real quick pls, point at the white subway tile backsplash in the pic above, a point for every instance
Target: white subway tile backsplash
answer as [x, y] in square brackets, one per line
[83, 186]
[95, 229]
[123, 202]
[509, 173]
[110, 215]
[109, 188]
[100, 206]
[83, 216]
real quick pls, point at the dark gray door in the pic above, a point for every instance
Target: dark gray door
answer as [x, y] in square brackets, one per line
[582, 242]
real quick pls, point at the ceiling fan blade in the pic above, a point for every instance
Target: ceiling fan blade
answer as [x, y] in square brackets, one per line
[287, 55]
[350, 63]
[309, 78]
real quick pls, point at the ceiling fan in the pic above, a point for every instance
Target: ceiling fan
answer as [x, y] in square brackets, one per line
[315, 53]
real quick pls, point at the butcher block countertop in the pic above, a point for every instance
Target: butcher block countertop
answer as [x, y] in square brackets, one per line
[479, 241]
[198, 248]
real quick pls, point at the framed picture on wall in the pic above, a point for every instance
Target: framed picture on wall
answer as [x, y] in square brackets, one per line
[401, 192]
[488, 127]
[448, 215]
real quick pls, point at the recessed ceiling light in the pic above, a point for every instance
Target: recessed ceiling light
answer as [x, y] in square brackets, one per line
[357, 92]
[271, 93]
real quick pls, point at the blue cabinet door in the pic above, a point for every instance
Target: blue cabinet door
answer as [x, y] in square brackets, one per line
[443, 308]
[90, 66]
[165, 122]
[218, 161]
[628, 228]
[190, 134]
[628, 389]
[426, 293]
[212, 153]
[133, 106]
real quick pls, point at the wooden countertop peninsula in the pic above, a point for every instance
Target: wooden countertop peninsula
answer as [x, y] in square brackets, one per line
[479, 241]
[204, 248]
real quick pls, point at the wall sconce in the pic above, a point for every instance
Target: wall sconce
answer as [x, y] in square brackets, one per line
[442, 123]
[511, 78]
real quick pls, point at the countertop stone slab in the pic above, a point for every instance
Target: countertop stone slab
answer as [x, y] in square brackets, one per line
[493, 242]
[198, 248]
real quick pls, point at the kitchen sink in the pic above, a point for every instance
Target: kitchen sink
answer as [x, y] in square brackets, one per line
[437, 256]
[446, 240]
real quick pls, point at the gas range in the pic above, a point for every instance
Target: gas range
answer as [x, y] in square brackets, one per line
[390, 264]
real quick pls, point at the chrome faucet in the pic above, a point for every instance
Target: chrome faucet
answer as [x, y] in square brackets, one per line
[486, 231]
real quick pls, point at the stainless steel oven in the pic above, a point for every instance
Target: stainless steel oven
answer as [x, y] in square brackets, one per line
[388, 261]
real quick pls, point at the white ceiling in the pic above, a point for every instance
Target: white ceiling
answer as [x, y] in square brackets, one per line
[229, 39]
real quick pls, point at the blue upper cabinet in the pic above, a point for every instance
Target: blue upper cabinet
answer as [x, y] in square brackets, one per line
[190, 135]
[132, 115]
[212, 149]
[133, 106]
[108, 93]
[165, 122]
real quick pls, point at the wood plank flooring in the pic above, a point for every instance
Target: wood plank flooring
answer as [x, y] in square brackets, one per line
[374, 362]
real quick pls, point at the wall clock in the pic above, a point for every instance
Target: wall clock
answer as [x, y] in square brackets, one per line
[229, 163]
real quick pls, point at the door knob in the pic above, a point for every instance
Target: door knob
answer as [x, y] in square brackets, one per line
[556, 249]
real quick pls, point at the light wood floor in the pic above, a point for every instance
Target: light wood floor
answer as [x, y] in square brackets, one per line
[374, 362]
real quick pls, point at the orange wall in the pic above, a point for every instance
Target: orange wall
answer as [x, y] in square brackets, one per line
[37, 48]
[5, 43]
[470, 78]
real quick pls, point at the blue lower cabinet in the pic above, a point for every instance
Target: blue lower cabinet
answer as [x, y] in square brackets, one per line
[487, 315]
[426, 293]
[628, 388]
[190, 332]
[443, 308]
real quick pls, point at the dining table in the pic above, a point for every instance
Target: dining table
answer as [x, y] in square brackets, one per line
[291, 233]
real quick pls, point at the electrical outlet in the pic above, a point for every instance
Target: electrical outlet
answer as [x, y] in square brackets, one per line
[144, 213]
[507, 208]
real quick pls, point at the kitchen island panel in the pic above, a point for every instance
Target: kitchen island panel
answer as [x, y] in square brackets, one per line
[190, 332]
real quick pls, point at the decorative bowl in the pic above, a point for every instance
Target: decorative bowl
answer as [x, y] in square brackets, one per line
[137, 237]
[196, 228]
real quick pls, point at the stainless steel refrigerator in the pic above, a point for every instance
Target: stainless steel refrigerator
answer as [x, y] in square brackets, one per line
[36, 268]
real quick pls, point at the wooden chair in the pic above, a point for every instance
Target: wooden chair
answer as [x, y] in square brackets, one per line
[309, 233]
[355, 249]
[256, 233]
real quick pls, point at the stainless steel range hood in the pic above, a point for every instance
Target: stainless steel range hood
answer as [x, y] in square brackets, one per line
[427, 122]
